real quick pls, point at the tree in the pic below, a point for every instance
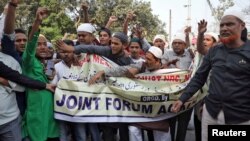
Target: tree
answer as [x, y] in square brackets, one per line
[218, 12]
[65, 13]
[100, 11]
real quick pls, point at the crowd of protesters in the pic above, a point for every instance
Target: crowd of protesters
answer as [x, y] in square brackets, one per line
[30, 69]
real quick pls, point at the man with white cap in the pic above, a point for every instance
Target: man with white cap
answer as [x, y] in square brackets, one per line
[152, 63]
[228, 100]
[179, 57]
[85, 33]
[205, 39]
[160, 41]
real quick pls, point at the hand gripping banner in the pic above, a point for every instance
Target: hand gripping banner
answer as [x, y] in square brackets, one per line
[146, 98]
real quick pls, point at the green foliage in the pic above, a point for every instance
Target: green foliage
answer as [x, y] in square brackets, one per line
[64, 13]
[119, 8]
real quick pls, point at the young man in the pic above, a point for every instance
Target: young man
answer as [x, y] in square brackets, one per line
[62, 70]
[228, 99]
[160, 41]
[20, 40]
[105, 36]
[85, 34]
[114, 52]
[10, 119]
[135, 50]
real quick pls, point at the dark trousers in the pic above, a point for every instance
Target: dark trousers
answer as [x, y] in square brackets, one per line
[183, 121]
[21, 102]
[109, 131]
[197, 126]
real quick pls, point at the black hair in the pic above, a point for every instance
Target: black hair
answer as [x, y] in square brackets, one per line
[68, 42]
[19, 30]
[105, 30]
[136, 40]
[244, 35]
[214, 41]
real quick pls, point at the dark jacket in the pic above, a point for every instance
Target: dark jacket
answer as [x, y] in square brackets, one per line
[105, 51]
[12, 75]
[229, 88]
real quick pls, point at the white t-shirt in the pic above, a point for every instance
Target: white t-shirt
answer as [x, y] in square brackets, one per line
[8, 104]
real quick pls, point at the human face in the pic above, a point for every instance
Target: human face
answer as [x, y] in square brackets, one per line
[50, 52]
[159, 43]
[151, 62]
[104, 38]
[230, 29]
[85, 37]
[116, 46]
[42, 49]
[178, 46]
[135, 49]
[20, 42]
[208, 41]
[67, 57]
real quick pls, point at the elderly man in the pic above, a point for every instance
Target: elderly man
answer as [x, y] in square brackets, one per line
[39, 123]
[152, 63]
[228, 99]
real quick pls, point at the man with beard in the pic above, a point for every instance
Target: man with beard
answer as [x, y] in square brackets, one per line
[179, 57]
[38, 122]
[228, 99]
[152, 64]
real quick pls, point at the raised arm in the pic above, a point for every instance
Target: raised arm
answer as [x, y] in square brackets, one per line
[9, 24]
[85, 8]
[28, 56]
[187, 40]
[129, 18]
[202, 28]
[112, 19]
[2, 20]
[41, 14]
[8, 45]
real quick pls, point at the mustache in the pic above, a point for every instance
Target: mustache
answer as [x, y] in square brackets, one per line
[229, 39]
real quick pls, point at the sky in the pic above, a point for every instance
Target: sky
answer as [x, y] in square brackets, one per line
[199, 10]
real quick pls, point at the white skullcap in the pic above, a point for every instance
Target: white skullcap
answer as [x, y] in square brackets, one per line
[49, 44]
[156, 51]
[86, 27]
[160, 36]
[214, 35]
[180, 36]
[235, 13]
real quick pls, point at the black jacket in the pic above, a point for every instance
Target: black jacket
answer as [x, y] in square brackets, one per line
[229, 88]
[12, 75]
